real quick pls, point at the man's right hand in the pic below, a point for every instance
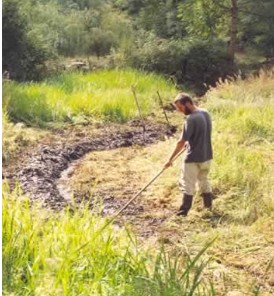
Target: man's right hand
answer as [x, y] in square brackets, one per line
[168, 164]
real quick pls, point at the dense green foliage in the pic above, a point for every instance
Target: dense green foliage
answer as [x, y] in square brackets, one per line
[162, 36]
[192, 62]
[21, 53]
[210, 18]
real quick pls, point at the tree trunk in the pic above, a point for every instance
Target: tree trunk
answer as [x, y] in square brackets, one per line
[233, 30]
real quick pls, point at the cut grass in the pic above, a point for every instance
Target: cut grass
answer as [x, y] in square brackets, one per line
[239, 222]
[243, 181]
[17, 138]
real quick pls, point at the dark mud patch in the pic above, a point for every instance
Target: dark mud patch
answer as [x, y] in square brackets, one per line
[41, 172]
[138, 214]
[135, 215]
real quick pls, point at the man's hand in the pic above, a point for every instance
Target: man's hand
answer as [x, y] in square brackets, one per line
[179, 147]
[168, 164]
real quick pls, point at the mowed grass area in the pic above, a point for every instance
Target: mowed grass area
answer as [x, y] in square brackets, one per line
[243, 182]
[76, 97]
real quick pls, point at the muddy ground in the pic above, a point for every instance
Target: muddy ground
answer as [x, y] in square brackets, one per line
[38, 171]
[46, 171]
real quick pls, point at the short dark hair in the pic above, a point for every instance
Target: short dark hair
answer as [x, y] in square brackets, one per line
[183, 98]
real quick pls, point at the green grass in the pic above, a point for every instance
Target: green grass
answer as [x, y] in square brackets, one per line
[42, 251]
[243, 179]
[102, 94]
[47, 253]
[243, 140]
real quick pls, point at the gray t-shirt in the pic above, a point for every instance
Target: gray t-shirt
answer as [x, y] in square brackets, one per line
[197, 132]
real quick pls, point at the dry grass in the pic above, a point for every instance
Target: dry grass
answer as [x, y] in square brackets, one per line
[242, 178]
[17, 138]
[242, 253]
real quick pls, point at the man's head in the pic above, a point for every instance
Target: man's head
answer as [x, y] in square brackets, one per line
[183, 103]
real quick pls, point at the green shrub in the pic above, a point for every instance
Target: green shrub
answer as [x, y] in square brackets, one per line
[191, 61]
[22, 54]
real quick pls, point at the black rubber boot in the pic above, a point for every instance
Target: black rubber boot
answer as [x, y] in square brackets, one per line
[186, 205]
[207, 197]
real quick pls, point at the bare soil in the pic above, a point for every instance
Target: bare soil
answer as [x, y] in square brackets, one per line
[121, 163]
[38, 171]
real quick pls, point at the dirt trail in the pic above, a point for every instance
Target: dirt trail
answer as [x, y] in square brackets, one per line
[41, 172]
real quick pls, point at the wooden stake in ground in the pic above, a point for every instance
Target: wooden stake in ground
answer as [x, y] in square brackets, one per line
[162, 105]
[140, 114]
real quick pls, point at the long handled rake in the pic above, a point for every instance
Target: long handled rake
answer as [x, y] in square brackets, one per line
[130, 201]
[139, 192]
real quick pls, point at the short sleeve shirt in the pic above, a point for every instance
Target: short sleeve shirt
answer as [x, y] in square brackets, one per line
[197, 134]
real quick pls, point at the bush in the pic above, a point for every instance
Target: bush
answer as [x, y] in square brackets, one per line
[204, 62]
[191, 61]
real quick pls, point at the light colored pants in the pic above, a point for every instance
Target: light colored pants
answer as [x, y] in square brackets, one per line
[192, 173]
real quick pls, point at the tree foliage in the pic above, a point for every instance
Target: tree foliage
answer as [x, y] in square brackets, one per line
[22, 53]
[148, 34]
[257, 25]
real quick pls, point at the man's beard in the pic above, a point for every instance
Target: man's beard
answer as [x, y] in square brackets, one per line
[187, 111]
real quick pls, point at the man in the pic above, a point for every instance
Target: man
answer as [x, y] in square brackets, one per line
[196, 139]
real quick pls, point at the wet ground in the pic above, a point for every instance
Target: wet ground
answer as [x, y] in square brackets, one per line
[46, 172]
[40, 173]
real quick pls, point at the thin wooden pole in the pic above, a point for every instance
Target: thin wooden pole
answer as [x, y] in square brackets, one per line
[162, 105]
[140, 114]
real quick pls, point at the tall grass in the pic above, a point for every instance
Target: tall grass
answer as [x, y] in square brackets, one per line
[105, 94]
[47, 253]
[243, 140]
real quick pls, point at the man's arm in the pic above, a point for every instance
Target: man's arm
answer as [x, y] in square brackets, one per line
[179, 147]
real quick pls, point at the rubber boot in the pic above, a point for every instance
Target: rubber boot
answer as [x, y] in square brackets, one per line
[186, 205]
[207, 198]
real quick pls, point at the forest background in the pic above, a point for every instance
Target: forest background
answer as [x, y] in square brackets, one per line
[193, 42]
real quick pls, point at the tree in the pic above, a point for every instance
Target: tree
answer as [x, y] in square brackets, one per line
[100, 42]
[233, 30]
[206, 19]
[21, 53]
[256, 25]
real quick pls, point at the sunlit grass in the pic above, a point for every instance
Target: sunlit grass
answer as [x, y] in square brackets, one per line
[242, 176]
[243, 163]
[243, 140]
[40, 250]
[66, 253]
[102, 94]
